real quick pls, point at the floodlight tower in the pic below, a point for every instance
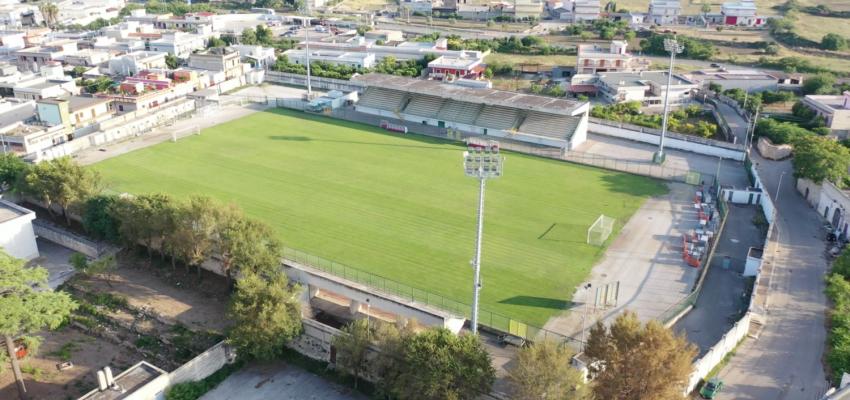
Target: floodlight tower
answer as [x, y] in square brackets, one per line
[674, 47]
[482, 161]
[306, 11]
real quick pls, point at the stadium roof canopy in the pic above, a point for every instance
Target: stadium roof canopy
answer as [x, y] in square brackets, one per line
[470, 94]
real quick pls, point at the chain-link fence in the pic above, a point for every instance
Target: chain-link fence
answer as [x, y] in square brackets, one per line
[641, 168]
[376, 282]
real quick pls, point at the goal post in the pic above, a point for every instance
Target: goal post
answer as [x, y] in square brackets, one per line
[601, 229]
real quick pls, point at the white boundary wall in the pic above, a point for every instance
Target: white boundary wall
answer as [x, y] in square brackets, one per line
[669, 141]
[755, 310]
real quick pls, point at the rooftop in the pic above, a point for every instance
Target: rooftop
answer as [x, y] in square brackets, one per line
[80, 102]
[130, 380]
[471, 95]
[454, 62]
[10, 211]
[621, 79]
[835, 102]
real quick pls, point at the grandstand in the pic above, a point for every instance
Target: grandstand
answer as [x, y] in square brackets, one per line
[538, 120]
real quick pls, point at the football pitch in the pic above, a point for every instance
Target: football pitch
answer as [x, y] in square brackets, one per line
[398, 205]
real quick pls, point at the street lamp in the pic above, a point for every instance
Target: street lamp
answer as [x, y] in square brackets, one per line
[674, 48]
[481, 160]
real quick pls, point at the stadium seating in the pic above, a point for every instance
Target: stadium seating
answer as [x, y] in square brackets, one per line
[382, 99]
[498, 117]
[424, 106]
[460, 112]
[549, 125]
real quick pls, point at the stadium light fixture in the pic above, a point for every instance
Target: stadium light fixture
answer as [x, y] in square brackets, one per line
[482, 161]
[674, 47]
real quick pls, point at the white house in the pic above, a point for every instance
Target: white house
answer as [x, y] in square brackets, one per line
[646, 87]
[664, 12]
[593, 59]
[180, 44]
[351, 59]
[16, 234]
[130, 64]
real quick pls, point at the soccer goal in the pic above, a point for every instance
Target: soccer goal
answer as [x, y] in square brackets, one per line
[598, 233]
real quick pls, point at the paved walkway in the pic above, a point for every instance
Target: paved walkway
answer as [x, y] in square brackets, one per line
[278, 381]
[785, 361]
[646, 259]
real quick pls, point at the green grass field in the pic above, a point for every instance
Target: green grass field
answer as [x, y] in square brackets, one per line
[398, 205]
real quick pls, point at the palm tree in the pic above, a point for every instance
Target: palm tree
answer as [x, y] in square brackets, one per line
[50, 12]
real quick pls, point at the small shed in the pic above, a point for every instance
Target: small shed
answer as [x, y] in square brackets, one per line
[16, 234]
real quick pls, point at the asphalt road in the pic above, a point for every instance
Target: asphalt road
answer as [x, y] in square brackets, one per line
[785, 361]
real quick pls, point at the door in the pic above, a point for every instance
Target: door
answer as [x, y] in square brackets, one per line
[836, 218]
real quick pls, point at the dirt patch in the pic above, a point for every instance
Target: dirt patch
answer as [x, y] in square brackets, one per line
[175, 296]
[87, 353]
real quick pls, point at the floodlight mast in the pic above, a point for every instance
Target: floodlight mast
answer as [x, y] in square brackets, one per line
[674, 47]
[481, 161]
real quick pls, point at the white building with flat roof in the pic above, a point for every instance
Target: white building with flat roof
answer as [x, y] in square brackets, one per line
[646, 87]
[594, 58]
[664, 12]
[741, 13]
[835, 111]
[351, 59]
[579, 10]
[17, 237]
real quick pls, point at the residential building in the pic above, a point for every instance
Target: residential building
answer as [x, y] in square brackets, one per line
[351, 59]
[418, 6]
[384, 35]
[646, 87]
[527, 9]
[14, 111]
[578, 11]
[17, 237]
[11, 41]
[258, 56]
[741, 13]
[180, 44]
[219, 59]
[16, 14]
[593, 59]
[39, 87]
[835, 111]
[130, 64]
[452, 67]
[74, 112]
[84, 12]
[664, 12]
[33, 58]
[30, 138]
[88, 58]
[750, 80]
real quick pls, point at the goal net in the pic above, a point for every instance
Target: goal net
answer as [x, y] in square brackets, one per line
[601, 229]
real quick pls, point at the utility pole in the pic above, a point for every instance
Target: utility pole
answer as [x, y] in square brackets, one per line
[307, 47]
[674, 48]
[586, 287]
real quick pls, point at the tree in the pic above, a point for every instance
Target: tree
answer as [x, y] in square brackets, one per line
[12, 169]
[352, 348]
[631, 361]
[28, 306]
[819, 158]
[630, 35]
[172, 61]
[216, 42]
[543, 372]
[437, 364]
[266, 315]
[264, 35]
[833, 41]
[93, 268]
[50, 13]
[819, 84]
[249, 36]
[715, 87]
[195, 224]
[246, 245]
[63, 182]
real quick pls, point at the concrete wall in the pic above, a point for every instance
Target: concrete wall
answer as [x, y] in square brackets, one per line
[743, 196]
[695, 145]
[715, 355]
[316, 340]
[773, 151]
[67, 239]
[317, 83]
[202, 366]
[809, 190]
[314, 280]
[17, 237]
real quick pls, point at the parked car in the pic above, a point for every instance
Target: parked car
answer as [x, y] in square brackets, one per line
[711, 388]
